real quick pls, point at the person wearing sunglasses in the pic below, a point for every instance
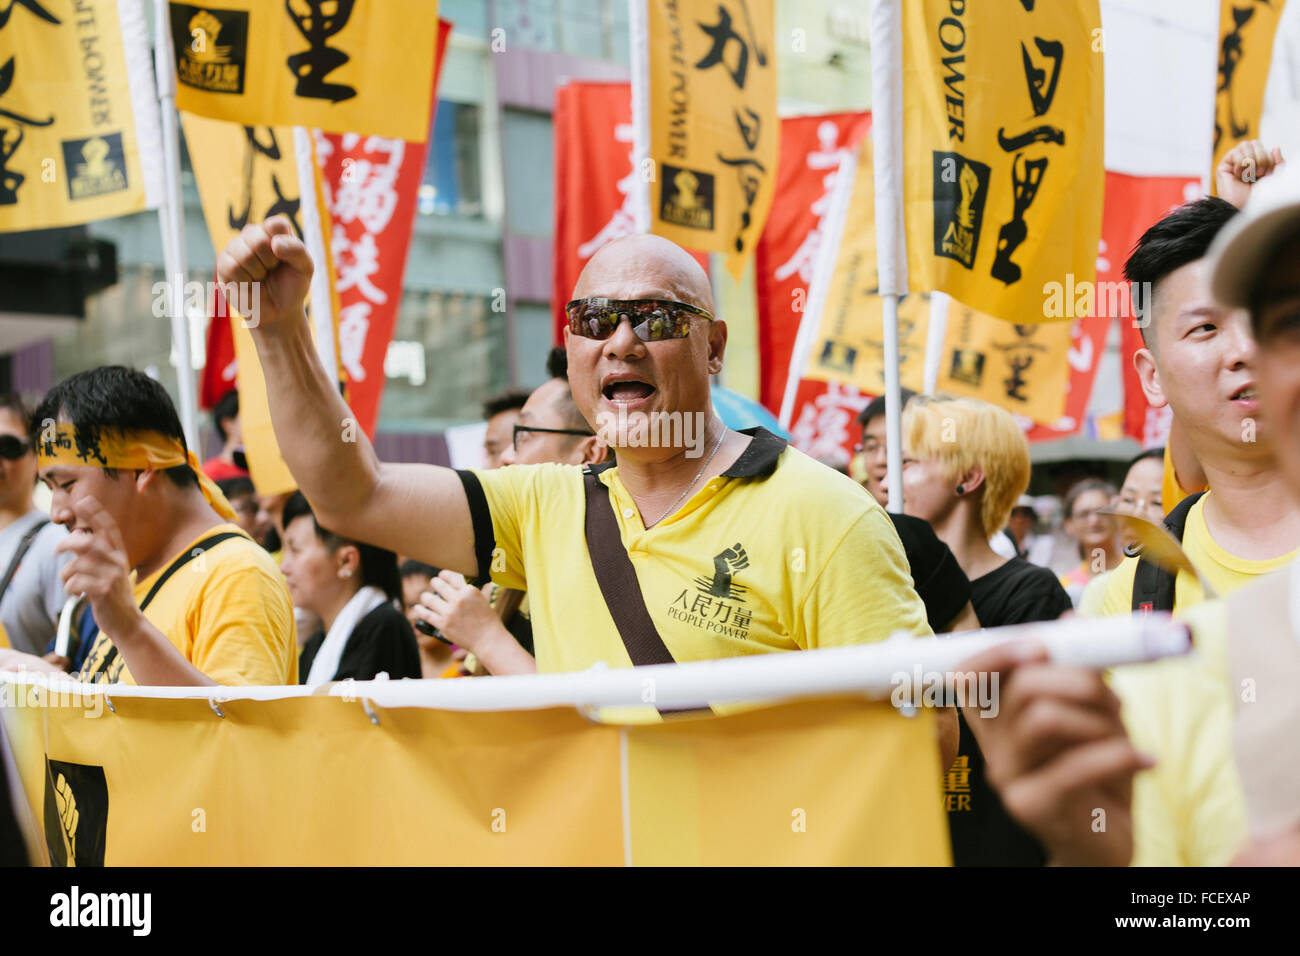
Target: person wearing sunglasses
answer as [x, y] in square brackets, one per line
[490, 621]
[32, 593]
[737, 544]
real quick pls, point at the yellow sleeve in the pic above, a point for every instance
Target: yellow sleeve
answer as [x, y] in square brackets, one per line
[508, 492]
[863, 593]
[4, 638]
[1093, 598]
[243, 630]
[1188, 810]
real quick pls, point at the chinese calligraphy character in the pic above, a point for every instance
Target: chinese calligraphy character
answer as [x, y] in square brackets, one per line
[31, 5]
[320, 60]
[722, 34]
[283, 205]
[1230, 54]
[1026, 177]
[356, 263]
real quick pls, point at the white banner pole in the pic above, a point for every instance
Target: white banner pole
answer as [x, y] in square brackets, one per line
[171, 215]
[891, 242]
[638, 43]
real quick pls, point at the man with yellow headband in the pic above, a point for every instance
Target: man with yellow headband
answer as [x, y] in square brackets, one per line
[181, 595]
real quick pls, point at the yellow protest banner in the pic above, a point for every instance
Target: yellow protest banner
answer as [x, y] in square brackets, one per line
[246, 174]
[850, 344]
[344, 66]
[1022, 368]
[1247, 29]
[79, 131]
[311, 781]
[1002, 149]
[714, 131]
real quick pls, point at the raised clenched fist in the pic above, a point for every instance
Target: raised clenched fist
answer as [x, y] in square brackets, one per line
[272, 272]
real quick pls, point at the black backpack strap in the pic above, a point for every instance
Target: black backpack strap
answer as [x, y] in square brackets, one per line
[24, 544]
[618, 583]
[181, 560]
[1153, 587]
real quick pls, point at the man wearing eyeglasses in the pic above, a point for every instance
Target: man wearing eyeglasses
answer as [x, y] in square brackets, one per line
[32, 594]
[745, 547]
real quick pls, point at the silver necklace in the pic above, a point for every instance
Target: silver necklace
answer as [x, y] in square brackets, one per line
[699, 474]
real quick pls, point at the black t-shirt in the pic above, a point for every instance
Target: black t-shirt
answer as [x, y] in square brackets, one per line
[939, 580]
[983, 833]
[382, 641]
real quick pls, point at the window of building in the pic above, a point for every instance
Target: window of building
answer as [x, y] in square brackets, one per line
[452, 183]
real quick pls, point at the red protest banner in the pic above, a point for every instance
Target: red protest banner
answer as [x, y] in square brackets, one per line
[811, 150]
[371, 184]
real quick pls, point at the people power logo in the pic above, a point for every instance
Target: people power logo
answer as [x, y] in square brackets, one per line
[95, 166]
[717, 604]
[961, 187]
[967, 367]
[76, 813]
[687, 198]
[211, 47]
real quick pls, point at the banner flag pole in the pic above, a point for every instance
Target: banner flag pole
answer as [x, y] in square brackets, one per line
[171, 215]
[891, 242]
[638, 26]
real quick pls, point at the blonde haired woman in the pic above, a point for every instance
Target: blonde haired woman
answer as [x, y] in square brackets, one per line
[965, 462]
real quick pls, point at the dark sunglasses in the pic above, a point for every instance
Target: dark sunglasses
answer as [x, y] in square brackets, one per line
[12, 447]
[549, 431]
[653, 320]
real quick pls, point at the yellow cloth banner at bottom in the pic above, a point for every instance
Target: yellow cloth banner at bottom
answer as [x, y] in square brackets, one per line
[311, 781]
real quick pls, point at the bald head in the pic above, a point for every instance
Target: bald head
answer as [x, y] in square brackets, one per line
[645, 267]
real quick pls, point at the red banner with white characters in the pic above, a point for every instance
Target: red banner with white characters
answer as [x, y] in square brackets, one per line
[370, 184]
[824, 423]
[1133, 203]
[1138, 203]
[811, 150]
[594, 177]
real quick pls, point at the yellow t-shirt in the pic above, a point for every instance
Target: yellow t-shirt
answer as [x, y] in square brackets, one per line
[779, 553]
[227, 611]
[1189, 809]
[1225, 572]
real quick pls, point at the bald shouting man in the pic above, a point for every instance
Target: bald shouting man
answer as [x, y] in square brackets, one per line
[738, 544]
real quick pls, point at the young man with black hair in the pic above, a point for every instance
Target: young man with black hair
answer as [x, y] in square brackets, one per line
[501, 411]
[181, 595]
[1200, 359]
[31, 592]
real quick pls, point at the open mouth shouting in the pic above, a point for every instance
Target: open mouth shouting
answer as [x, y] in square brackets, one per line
[626, 390]
[1245, 398]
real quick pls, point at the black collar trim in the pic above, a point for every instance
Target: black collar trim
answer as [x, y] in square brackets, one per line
[758, 460]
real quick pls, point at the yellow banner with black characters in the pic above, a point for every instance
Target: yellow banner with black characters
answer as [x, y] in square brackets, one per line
[79, 129]
[1023, 368]
[344, 66]
[1002, 147]
[246, 174]
[324, 781]
[714, 129]
[850, 344]
[1247, 29]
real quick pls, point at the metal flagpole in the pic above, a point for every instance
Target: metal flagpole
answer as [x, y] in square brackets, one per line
[638, 39]
[171, 217]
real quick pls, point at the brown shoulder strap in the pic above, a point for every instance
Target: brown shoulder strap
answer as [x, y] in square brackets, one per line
[619, 586]
[617, 579]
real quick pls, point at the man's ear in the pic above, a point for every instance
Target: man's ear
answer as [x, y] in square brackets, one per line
[1144, 361]
[144, 479]
[717, 345]
[972, 478]
[348, 558]
[592, 451]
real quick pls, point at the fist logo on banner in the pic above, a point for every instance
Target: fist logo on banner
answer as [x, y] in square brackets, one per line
[211, 47]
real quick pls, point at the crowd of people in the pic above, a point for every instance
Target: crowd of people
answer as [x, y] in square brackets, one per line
[579, 544]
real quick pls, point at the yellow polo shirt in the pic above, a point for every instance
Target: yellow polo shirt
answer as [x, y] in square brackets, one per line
[779, 553]
[1226, 572]
[227, 611]
[1189, 809]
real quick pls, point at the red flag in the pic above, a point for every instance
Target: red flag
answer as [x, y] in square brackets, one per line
[219, 372]
[1137, 203]
[811, 150]
[594, 177]
[371, 184]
